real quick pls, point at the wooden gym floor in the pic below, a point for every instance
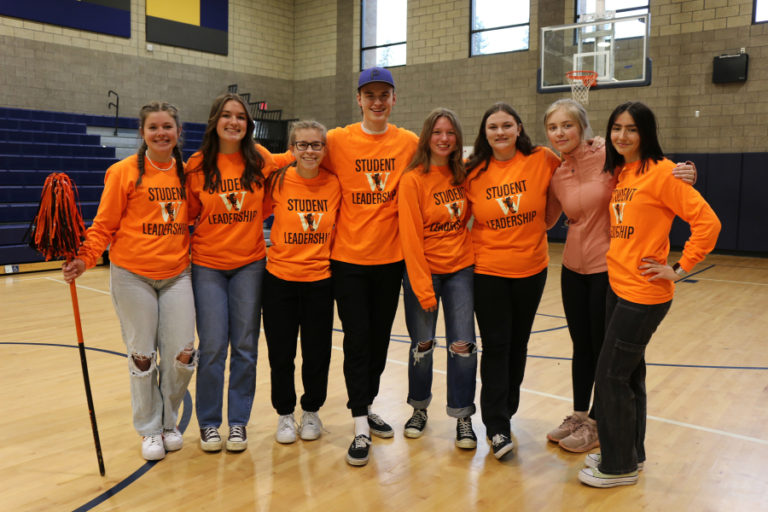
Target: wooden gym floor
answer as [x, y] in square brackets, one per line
[707, 438]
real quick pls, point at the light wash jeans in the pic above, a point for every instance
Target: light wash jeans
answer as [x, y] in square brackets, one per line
[157, 320]
[456, 292]
[229, 314]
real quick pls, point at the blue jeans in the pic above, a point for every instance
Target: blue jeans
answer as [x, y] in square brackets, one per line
[458, 309]
[157, 320]
[620, 382]
[229, 313]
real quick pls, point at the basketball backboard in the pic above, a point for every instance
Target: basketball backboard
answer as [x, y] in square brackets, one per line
[615, 48]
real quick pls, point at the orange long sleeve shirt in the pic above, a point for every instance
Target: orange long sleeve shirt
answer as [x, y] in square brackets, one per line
[509, 203]
[433, 217]
[368, 168]
[642, 208]
[229, 231]
[305, 216]
[147, 227]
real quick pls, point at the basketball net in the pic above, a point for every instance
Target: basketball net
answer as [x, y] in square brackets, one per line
[581, 81]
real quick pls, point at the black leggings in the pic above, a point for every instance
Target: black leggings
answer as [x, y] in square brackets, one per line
[584, 305]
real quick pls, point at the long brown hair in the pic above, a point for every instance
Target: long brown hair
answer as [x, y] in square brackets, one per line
[254, 162]
[423, 153]
[150, 108]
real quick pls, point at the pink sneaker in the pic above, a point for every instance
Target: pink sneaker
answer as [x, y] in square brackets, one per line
[566, 428]
[583, 439]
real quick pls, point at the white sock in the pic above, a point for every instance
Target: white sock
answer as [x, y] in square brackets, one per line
[361, 426]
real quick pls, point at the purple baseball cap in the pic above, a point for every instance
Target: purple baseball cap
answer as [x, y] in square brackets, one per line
[375, 74]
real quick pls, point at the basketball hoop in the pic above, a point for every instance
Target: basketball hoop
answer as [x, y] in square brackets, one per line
[581, 81]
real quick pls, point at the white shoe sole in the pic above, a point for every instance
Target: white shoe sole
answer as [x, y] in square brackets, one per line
[413, 433]
[309, 435]
[586, 477]
[503, 451]
[236, 446]
[211, 446]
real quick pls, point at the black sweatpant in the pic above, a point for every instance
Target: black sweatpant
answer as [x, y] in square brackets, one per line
[290, 306]
[366, 299]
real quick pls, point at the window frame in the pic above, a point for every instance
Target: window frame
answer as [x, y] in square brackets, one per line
[755, 21]
[617, 11]
[363, 49]
[473, 31]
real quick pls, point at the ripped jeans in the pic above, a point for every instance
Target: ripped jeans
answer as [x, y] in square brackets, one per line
[456, 292]
[157, 320]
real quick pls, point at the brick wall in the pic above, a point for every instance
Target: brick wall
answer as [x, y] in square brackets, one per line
[56, 68]
[303, 56]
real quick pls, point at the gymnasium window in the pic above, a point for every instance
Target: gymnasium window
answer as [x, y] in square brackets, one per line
[499, 26]
[619, 8]
[760, 11]
[383, 25]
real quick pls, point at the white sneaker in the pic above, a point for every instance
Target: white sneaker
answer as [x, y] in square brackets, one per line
[311, 426]
[172, 440]
[592, 460]
[286, 429]
[152, 447]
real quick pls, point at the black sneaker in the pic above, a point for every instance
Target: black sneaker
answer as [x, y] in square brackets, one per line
[502, 445]
[358, 450]
[379, 427]
[237, 440]
[210, 440]
[465, 436]
[414, 427]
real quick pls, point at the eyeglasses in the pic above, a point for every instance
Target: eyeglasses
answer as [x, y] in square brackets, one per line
[303, 145]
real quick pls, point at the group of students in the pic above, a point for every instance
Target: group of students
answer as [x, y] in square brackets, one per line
[360, 210]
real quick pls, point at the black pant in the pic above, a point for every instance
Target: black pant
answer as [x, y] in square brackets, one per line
[289, 306]
[620, 382]
[505, 309]
[584, 305]
[366, 299]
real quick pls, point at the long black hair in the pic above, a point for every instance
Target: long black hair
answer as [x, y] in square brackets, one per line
[150, 108]
[254, 162]
[482, 152]
[645, 121]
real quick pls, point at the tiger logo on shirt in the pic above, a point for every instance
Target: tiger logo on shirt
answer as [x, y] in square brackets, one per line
[455, 209]
[509, 204]
[377, 180]
[233, 200]
[310, 221]
[618, 212]
[169, 210]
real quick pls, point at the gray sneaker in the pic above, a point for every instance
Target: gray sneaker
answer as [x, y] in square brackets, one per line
[286, 429]
[311, 427]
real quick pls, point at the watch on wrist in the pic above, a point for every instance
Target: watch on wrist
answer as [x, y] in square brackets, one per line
[678, 269]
